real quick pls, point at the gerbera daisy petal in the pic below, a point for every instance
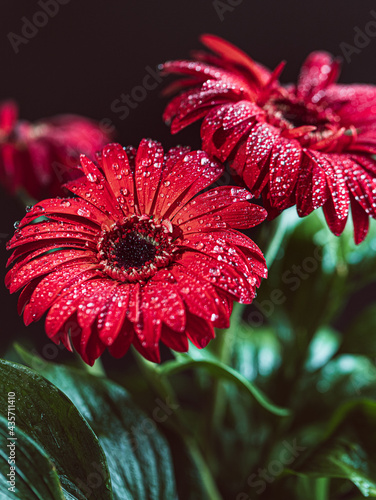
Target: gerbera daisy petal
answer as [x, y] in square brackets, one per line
[88, 309]
[151, 354]
[195, 173]
[318, 72]
[8, 115]
[353, 103]
[164, 299]
[336, 224]
[282, 179]
[94, 189]
[149, 163]
[235, 55]
[40, 248]
[195, 324]
[117, 171]
[200, 297]
[123, 341]
[44, 265]
[177, 342]
[26, 294]
[88, 345]
[67, 305]
[69, 206]
[336, 182]
[216, 207]
[219, 274]
[112, 316]
[52, 285]
[360, 221]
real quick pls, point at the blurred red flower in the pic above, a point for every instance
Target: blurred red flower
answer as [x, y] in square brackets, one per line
[309, 144]
[138, 256]
[39, 157]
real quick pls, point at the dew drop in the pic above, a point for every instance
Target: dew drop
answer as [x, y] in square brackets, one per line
[92, 178]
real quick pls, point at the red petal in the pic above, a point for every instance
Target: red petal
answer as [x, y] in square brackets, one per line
[8, 116]
[201, 298]
[149, 163]
[336, 181]
[239, 215]
[353, 103]
[174, 340]
[360, 220]
[72, 206]
[95, 189]
[88, 345]
[111, 319]
[199, 331]
[335, 224]
[40, 247]
[43, 265]
[49, 230]
[318, 72]
[119, 175]
[225, 204]
[90, 306]
[151, 353]
[285, 165]
[225, 49]
[311, 190]
[123, 341]
[164, 301]
[52, 285]
[67, 305]
[361, 183]
[192, 173]
[220, 275]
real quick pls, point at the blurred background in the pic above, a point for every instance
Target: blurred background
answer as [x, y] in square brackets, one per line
[89, 53]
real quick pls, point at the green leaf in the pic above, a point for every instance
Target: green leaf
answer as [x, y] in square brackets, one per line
[138, 455]
[256, 352]
[220, 370]
[344, 378]
[35, 476]
[190, 469]
[323, 346]
[47, 416]
[348, 452]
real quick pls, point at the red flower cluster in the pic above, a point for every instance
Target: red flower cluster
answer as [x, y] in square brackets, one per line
[38, 157]
[138, 256]
[309, 144]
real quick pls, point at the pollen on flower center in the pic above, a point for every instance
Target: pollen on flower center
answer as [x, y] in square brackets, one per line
[136, 249]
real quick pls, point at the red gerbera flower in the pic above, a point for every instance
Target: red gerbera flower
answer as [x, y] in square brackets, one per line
[39, 157]
[308, 144]
[137, 257]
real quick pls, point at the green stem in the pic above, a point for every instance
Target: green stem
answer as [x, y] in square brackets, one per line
[163, 387]
[223, 349]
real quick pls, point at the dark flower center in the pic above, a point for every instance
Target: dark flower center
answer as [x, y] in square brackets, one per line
[133, 250]
[299, 115]
[313, 125]
[136, 249]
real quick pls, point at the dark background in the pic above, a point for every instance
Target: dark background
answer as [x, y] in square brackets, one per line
[90, 52]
